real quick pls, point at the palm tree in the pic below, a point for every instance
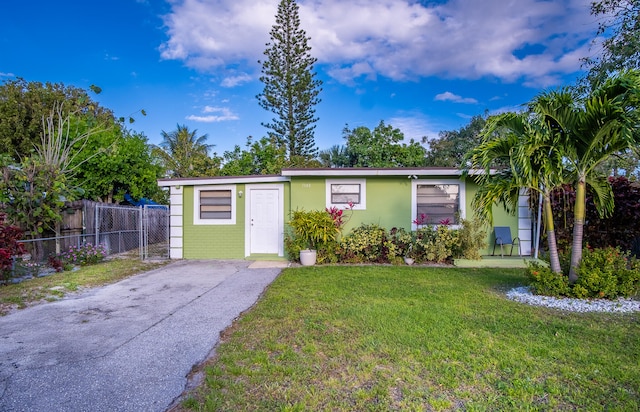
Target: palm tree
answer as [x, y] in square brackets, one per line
[336, 156]
[184, 154]
[522, 143]
[590, 131]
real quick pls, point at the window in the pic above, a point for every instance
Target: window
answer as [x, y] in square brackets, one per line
[437, 201]
[214, 205]
[341, 192]
[344, 194]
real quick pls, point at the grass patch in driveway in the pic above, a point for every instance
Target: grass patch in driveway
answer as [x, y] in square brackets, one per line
[54, 287]
[418, 338]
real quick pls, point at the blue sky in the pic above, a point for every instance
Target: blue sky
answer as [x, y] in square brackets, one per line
[421, 66]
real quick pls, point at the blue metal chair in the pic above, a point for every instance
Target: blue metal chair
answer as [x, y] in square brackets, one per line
[503, 237]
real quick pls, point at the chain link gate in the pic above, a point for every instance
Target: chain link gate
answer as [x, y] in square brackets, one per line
[129, 228]
[155, 232]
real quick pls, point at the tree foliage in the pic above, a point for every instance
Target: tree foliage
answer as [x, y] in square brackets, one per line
[592, 129]
[60, 127]
[449, 149]
[263, 157]
[384, 146]
[290, 86]
[115, 162]
[517, 152]
[24, 105]
[335, 156]
[620, 25]
[621, 229]
[32, 194]
[185, 154]
[582, 132]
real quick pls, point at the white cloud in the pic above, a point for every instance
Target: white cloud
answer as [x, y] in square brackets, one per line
[233, 81]
[507, 109]
[536, 41]
[225, 115]
[7, 74]
[448, 96]
[414, 127]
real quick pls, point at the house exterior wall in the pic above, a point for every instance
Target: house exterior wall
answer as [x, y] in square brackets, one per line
[191, 239]
[213, 241]
[389, 201]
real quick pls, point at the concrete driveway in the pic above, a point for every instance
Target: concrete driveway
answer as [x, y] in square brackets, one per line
[127, 346]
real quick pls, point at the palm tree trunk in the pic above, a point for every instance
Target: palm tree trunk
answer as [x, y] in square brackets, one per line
[554, 259]
[579, 212]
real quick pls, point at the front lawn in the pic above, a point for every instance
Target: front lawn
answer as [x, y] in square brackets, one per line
[418, 338]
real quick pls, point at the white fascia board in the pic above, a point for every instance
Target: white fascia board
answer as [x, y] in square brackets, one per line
[371, 172]
[222, 180]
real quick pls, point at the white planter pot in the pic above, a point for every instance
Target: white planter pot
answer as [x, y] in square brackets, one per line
[408, 260]
[308, 257]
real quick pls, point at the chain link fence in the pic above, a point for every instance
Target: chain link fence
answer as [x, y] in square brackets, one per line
[120, 229]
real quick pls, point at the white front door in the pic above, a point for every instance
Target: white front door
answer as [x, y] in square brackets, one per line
[264, 220]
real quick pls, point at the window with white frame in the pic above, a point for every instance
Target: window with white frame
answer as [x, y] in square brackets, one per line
[342, 192]
[214, 205]
[435, 202]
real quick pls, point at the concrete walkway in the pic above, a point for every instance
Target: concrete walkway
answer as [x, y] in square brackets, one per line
[127, 346]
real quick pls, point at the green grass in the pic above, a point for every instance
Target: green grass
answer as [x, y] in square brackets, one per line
[54, 287]
[415, 338]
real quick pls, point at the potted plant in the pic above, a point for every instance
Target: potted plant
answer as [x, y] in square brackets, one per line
[410, 255]
[310, 229]
[405, 244]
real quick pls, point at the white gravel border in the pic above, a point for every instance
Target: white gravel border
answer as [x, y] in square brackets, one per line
[523, 295]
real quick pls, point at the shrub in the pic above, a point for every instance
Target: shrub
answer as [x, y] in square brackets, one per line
[56, 263]
[435, 244]
[312, 228]
[471, 240]
[86, 254]
[26, 268]
[619, 229]
[10, 246]
[607, 273]
[403, 241]
[545, 282]
[602, 273]
[369, 243]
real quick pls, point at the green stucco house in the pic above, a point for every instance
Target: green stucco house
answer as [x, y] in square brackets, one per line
[245, 216]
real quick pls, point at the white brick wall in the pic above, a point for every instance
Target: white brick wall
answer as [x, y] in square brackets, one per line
[176, 223]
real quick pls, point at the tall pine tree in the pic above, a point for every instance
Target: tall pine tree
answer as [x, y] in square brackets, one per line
[290, 87]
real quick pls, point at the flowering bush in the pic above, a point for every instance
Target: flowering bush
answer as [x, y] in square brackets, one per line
[10, 246]
[338, 215]
[86, 254]
[421, 220]
[26, 268]
[371, 243]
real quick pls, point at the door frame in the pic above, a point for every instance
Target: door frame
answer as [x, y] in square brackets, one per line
[247, 207]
